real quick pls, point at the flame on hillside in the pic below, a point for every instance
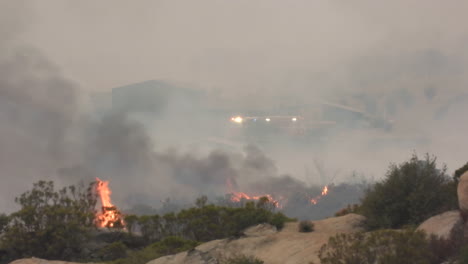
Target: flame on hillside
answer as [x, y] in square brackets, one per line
[239, 196]
[316, 199]
[109, 216]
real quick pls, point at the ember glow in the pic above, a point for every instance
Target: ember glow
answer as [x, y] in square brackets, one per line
[317, 198]
[239, 196]
[109, 215]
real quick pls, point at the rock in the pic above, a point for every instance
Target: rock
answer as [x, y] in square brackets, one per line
[462, 192]
[260, 230]
[443, 225]
[287, 246]
[39, 261]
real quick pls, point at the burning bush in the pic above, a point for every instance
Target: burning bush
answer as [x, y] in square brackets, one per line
[109, 216]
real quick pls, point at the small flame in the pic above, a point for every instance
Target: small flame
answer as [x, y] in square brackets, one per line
[316, 199]
[239, 196]
[109, 214]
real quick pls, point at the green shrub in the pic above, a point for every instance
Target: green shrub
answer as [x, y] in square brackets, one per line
[383, 247]
[411, 192]
[306, 226]
[242, 260]
[348, 210]
[4, 220]
[51, 223]
[458, 173]
[208, 222]
[113, 251]
[463, 257]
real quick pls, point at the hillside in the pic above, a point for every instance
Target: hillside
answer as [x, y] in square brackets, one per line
[287, 246]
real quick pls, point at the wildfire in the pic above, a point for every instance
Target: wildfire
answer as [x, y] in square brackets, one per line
[317, 198]
[238, 196]
[109, 215]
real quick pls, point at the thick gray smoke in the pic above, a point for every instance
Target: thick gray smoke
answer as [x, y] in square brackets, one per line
[402, 62]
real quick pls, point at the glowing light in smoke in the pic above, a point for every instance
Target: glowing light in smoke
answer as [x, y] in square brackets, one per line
[237, 119]
[109, 215]
[267, 119]
[294, 119]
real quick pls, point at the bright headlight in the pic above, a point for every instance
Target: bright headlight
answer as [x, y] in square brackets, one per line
[294, 119]
[237, 119]
[267, 119]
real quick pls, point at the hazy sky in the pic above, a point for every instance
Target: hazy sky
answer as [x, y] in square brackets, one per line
[240, 45]
[410, 54]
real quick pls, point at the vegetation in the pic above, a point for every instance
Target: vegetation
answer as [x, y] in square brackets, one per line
[306, 226]
[411, 192]
[50, 224]
[242, 260]
[59, 224]
[207, 222]
[350, 209]
[458, 173]
[383, 246]
[167, 246]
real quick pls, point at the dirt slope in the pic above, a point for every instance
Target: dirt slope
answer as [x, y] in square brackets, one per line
[285, 247]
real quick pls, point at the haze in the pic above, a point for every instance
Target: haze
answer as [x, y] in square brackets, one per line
[55, 55]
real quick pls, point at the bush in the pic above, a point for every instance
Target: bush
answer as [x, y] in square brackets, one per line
[51, 223]
[383, 247]
[113, 251]
[350, 209]
[458, 173]
[411, 192]
[208, 222]
[306, 226]
[463, 257]
[242, 260]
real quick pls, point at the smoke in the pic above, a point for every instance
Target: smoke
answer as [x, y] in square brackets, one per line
[402, 61]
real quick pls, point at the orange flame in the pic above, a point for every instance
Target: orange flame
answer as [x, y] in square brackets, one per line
[238, 196]
[109, 215]
[317, 198]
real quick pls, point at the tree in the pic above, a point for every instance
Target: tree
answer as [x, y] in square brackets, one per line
[52, 224]
[458, 173]
[4, 220]
[411, 192]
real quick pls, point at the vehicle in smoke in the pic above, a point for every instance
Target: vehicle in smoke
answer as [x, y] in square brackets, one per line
[311, 121]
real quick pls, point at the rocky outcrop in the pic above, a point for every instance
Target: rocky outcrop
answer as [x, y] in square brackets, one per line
[462, 192]
[40, 261]
[287, 246]
[260, 230]
[443, 225]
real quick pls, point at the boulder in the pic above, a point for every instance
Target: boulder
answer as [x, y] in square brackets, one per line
[443, 225]
[462, 192]
[39, 261]
[287, 246]
[260, 230]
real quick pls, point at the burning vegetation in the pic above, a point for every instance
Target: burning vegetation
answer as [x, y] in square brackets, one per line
[109, 216]
[279, 201]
